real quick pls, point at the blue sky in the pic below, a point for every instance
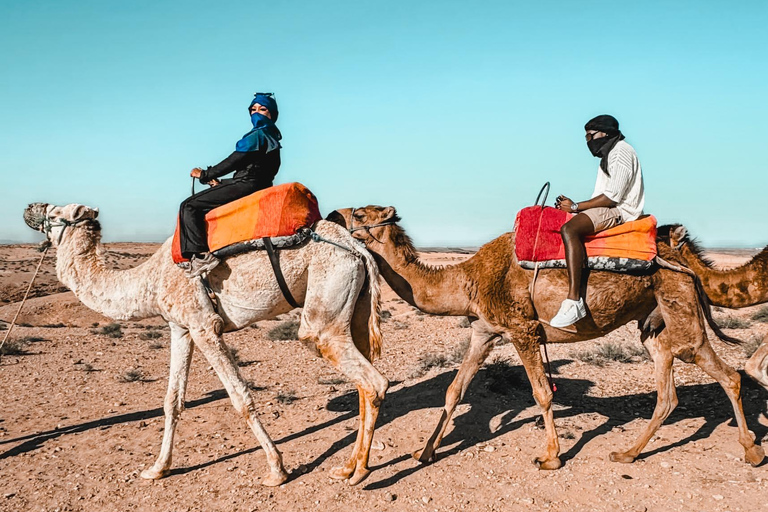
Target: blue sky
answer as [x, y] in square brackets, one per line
[454, 112]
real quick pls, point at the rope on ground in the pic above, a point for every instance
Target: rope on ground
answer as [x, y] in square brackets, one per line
[26, 294]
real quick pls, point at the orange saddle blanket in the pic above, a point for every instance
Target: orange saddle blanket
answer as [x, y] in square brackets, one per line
[628, 246]
[281, 210]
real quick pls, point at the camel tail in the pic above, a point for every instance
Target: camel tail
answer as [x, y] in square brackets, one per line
[374, 321]
[703, 301]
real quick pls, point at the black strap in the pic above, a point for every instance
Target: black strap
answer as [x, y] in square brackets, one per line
[274, 259]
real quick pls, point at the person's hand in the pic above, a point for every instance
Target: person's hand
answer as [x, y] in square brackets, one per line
[196, 172]
[563, 203]
[214, 182]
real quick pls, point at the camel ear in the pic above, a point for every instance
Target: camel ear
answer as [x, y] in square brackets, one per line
[79, 212]
[337, 218]
[678, 234]
[389, 213]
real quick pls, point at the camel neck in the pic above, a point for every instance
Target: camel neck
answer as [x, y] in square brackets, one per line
[118, 294]
[739, 287]
[432, 289]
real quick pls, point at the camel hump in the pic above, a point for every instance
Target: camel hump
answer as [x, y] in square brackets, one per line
[281, 211]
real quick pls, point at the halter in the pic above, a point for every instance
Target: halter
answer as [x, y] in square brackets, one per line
[49, 224]
[352, 229]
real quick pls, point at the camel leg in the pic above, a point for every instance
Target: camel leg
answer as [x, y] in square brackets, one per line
[344, 472]
[530, 352]
[372, 387]
[730, 380]
[666, 399]
[181, 359]
[480, 346]
[208, 340]
[757, 366]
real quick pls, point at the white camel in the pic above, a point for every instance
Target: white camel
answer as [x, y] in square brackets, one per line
[340, 317]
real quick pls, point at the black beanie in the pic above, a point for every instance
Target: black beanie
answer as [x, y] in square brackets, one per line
[603, 123]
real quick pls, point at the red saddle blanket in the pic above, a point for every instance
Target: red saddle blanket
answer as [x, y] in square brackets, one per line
[538, 238]
[275, 211]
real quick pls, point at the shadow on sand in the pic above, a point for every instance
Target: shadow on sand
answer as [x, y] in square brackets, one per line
[492, 394]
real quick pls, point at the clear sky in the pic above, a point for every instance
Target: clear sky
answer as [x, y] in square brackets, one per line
[454, 112]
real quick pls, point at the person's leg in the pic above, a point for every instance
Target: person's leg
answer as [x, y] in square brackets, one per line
[192, 234]
[573, 233]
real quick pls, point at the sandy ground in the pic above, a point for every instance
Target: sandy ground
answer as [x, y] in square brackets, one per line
[74, 435]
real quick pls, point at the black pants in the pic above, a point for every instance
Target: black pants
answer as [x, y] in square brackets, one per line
[192, 212]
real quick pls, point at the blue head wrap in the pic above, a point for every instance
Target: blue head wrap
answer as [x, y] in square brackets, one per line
[265, 135]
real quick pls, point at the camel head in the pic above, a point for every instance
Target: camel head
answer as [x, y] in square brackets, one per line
[367, 223]
[674, 235]
[54, 220]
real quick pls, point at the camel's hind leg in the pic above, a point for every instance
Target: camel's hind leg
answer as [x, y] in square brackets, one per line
[730, 380]
[208, 340]
[666, 399]
[480, 346]
[757, 366]
[181, 358]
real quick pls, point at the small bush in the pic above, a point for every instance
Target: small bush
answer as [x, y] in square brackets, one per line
[84, 367]
[399, 325]
[13, 348]
[132, 375]
[332, 381]
[150, 335]
[95, 324]
[3, 326]
[113, 330]
[464, 323]
[286, 397]
[385, 315]
[156, 346]
[429, 361]
[751, 346]
[288, 330]
[457, 355]
[733, 322]
[605, 353]
[32, 339]
[24, 324]
[54, 326]
[761, 315]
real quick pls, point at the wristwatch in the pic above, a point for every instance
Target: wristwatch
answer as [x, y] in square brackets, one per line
[574, 207]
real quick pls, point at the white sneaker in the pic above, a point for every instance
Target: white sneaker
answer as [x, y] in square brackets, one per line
[199, 266]
[571, 311]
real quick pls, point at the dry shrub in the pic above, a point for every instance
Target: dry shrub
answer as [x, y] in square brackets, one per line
[501, 379]
[54, 326]
[399, 325]
[113, 330]
[132, 375]
[386, 315]
[331, 381]
[14, 348]
[761, 315]
[602, 354]
[733, 322]
[286, 397]
[288, 330]
[464, 323]
[150, 335]
[751, 346]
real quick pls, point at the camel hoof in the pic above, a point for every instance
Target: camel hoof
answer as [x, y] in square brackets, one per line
[340, 473]
[624, 458]
[754, 455]
[548, 464]
[359, 476]
[154, 474]
[274, 479]
[424, 456]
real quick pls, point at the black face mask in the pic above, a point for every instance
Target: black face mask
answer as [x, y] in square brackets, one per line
[602, 146]
[595, 145]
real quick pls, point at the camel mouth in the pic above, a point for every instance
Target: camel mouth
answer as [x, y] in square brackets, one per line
[34, 215]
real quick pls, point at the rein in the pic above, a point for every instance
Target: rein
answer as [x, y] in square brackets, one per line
[367, 228]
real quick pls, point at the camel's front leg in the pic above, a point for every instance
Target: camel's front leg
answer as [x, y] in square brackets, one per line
[181, 358]
[757, 366]
[480, 346]
[208, 340]
[666, 399]
[530, 353]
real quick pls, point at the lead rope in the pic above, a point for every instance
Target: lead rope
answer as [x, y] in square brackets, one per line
[532, 289]
[13, 322]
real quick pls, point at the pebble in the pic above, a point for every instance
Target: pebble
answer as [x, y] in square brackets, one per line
[489, 449]
[390, 497]
[665, 465]
[718, 497]
[426, 499]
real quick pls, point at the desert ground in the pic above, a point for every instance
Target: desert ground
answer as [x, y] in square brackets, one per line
[81, 416]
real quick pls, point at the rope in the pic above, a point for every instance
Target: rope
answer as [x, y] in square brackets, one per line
[318, 238]
[29, 288]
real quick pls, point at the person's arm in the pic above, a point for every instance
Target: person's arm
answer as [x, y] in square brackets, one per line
[601, 201]
[234, 162]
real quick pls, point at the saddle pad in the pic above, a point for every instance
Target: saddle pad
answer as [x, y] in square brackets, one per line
[276, 211]
[538, 239]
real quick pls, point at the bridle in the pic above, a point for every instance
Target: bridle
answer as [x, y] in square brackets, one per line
[48, 224]
[352, 229]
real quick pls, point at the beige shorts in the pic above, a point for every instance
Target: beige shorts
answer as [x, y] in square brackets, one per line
[604, 218]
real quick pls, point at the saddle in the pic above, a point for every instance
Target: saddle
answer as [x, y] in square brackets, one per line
[628, 247]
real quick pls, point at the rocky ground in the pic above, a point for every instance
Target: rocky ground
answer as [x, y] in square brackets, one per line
[81, 416]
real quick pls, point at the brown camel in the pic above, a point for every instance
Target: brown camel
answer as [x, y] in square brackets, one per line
[739, 287]
[495, 293]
